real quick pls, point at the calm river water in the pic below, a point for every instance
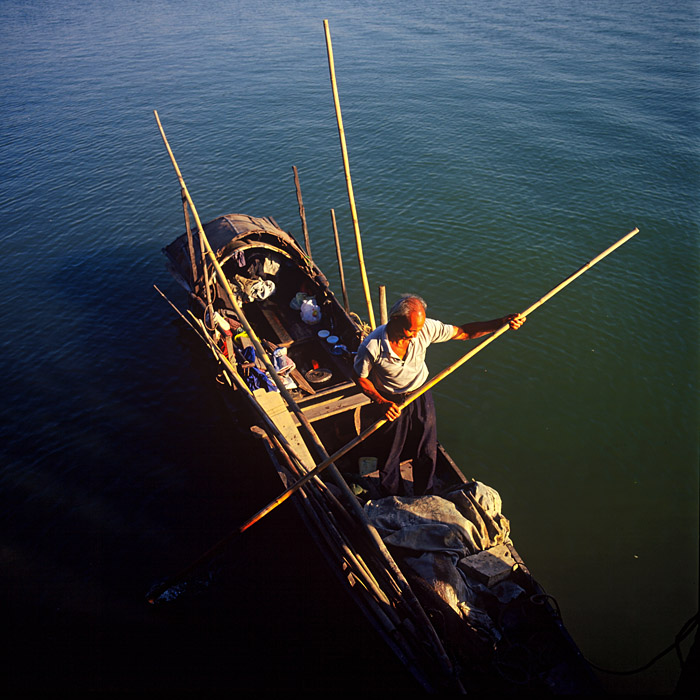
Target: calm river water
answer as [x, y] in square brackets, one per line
[495, 146]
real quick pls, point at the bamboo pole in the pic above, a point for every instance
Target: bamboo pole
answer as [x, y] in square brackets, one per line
[383, 317]
[205, 272]
[428, 385]
[190, 241]
[293, 406]
[302, 213]
[291, 456]
[409, 596]
[346, 303]
[348, 180]
[439, 377]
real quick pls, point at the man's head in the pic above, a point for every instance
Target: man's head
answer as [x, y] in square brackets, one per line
[407, 315]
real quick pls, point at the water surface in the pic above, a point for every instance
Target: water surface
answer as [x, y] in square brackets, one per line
[494, 147]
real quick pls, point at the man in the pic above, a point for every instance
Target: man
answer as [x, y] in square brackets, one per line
[390, 363]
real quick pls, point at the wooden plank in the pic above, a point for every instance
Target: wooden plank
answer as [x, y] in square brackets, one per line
[343, 399]
[275, 407]
[274, 320]
[332, 408]
[336, 388]
[298, 378]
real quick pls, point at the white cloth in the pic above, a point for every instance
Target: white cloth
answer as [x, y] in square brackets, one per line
[436, 532]
[252, 289]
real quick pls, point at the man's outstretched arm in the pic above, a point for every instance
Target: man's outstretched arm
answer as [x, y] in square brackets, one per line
[476, 329]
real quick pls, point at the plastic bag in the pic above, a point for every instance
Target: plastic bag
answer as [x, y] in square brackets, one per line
[310, 311]
[298, 300]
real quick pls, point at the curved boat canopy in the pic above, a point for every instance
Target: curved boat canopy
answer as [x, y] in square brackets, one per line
[226, 235]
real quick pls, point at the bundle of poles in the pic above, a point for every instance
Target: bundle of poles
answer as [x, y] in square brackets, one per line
[295, 466]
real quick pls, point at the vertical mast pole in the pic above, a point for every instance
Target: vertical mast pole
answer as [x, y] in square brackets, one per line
[346, 303]
[190, 241]
[302, 212]
[346, 165]
[383, 316]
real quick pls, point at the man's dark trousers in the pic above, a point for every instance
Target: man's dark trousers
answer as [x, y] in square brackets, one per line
[412, 434]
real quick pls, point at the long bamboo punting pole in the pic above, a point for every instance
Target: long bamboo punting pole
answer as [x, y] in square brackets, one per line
[346, 303]
[293, 406]
[447, 371]
[428, 385]
[348, 179]
[302, 212]
[409, 596]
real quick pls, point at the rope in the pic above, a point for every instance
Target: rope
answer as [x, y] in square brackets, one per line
[683, 633]
[364, 327]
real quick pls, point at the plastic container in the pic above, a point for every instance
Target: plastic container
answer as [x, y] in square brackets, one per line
[282, 362]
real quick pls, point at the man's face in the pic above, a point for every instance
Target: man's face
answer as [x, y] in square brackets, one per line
[416, 319]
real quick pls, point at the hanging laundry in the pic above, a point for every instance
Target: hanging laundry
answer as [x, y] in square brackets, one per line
[271, 267]
[261, 289]
[239, 258]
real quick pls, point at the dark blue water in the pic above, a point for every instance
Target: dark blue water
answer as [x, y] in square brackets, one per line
[494, 147]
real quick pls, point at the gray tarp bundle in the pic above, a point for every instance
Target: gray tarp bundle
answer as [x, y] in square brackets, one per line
[441, 530]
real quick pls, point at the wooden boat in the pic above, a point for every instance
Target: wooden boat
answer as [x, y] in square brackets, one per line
[461, 621]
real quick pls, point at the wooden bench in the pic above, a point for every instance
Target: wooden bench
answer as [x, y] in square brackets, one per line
[326, 409]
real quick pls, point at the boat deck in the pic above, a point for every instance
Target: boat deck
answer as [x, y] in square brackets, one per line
[325, 381]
